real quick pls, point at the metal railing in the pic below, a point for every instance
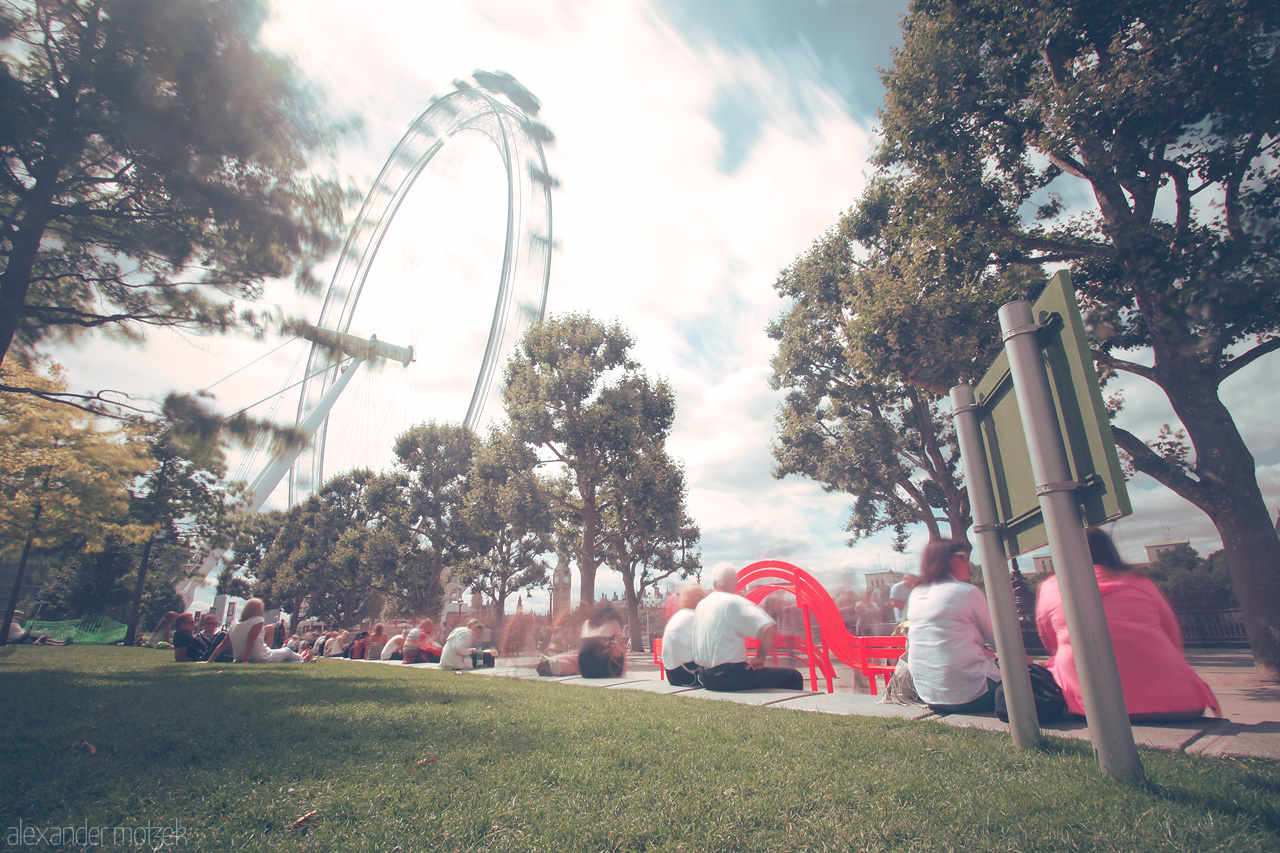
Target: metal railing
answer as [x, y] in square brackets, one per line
[1212, 627]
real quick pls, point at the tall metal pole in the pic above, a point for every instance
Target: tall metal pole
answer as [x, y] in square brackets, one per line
[1024, 724]
[1095, 659]
[265, 483]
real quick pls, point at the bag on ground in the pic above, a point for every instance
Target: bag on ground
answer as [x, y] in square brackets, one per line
[1051, 705]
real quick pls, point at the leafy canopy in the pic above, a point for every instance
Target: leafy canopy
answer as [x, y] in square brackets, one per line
[153, 168]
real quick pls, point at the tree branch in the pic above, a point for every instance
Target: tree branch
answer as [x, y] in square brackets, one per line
[1121, 364]
[83, 402]
[1247, 358]
[1162, 470]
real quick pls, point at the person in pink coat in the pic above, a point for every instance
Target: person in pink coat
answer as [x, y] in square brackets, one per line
[1159, 685]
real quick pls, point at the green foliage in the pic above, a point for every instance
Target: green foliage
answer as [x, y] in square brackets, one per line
[62, 480]
[530, 767]
[510, 517]
[424, 500]
[650, 536]
[1191, 582]
[155, 168]
[329, 549]
[93, 583]
[1134, 142]
[871, 342]
[573, 392]
[183, 500]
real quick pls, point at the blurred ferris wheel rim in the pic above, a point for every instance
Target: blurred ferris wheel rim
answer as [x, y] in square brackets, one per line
[501, 110]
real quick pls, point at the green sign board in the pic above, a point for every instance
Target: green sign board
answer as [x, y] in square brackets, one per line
[1082, 416]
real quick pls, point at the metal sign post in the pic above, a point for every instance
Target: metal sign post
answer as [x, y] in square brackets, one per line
[1024, 724]
[1103, 695]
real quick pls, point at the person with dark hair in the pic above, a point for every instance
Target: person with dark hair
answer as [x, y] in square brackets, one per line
[601, 653]
[677, 639]
[949, 632]
[1159, 685]
[188, 647]
[358, 648]
[723, 622]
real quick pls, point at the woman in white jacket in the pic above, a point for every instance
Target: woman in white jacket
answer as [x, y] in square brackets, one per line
[949, 634]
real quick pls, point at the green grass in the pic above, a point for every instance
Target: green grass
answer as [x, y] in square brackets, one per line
[395, 759]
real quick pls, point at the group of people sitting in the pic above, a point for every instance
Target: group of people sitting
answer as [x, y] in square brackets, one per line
[950, 640]
[460, 650]
[705, 642]
[246, 642]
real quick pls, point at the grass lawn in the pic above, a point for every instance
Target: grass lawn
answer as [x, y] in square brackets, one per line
[385, 758]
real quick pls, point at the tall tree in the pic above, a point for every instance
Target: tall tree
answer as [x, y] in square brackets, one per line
[864, 385]
[62, 482]
[183, 500]
[259, 557]
[328, 550]
[1194, 583]
[1136, 142]
[508, 511]
[93, 583]
[154, 167]
[573, 391]
[650, 536]
[423, 500]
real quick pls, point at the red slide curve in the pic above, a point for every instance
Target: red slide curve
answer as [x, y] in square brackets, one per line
[815, 603]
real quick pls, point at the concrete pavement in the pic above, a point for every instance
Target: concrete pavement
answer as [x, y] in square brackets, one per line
[1250, 725]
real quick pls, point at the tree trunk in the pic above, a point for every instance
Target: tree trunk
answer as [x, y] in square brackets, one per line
[16, 595]
[499, 616]
[587, 561]
[633, 611]
[1229, 494]
[135, 610]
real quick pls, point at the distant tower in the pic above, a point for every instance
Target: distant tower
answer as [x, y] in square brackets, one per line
[561, 583]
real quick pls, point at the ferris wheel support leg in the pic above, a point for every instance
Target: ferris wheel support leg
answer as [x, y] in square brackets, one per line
[266, 482]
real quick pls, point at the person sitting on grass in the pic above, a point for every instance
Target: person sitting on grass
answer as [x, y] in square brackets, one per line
[376, 641]
[17, 634]
[461, 649]
[247, 643]
[419, 647]
[211, 636]
[1159, 685]
[723, 622]
[337, 645]
[163, 632]
[949, 634]
[677, 639]
[187, 648]
[393, 650]
[602, 652]
[360, 647]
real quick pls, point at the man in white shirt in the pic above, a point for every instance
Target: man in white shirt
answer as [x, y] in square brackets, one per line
[898, 594]
[723, 621]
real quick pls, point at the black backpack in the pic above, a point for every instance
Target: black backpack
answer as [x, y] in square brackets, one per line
[1051, 705]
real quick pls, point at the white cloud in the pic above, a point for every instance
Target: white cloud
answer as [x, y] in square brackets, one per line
[649, 232]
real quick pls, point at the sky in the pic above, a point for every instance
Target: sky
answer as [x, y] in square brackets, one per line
[700, 147]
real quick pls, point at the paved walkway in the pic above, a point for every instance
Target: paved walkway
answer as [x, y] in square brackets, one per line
[1250, 725]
